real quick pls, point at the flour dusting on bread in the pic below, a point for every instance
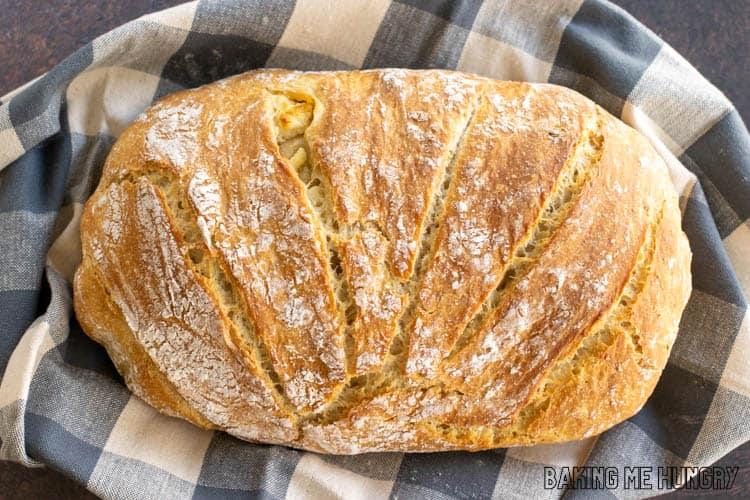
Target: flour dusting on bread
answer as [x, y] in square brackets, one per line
[385, 260]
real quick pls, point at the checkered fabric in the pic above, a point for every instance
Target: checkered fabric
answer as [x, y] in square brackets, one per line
[62, 403]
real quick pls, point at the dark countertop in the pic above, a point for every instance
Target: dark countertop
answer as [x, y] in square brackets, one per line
[34, 36]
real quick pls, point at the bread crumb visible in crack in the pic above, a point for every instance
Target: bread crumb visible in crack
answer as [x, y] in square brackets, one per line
[574, 175]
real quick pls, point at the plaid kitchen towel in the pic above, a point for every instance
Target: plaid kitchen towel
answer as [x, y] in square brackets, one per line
[61, 402]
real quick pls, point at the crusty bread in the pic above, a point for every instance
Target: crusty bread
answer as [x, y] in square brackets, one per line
[385, 260]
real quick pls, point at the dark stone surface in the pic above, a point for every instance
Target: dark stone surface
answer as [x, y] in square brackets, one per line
[34, 36]
[713, 35]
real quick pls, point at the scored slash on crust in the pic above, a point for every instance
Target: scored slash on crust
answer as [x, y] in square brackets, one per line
[377, 301]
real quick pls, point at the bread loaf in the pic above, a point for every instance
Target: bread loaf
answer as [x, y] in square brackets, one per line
[385, 260]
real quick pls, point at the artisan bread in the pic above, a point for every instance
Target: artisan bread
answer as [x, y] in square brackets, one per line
[385, 260]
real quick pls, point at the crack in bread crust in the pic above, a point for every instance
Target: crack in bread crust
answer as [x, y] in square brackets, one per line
[594, 344]
[172, 403]
[558, 205]
[399, 348]
[368, 385]
[224, 291]
[330, 230]
[293, 104]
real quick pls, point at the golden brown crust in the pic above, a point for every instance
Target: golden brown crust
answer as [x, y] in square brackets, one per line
[101, 320]
[385, 260]
[504, 171]
[170, 311]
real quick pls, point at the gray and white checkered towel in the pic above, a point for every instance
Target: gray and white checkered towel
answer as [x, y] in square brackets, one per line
[62, 403]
